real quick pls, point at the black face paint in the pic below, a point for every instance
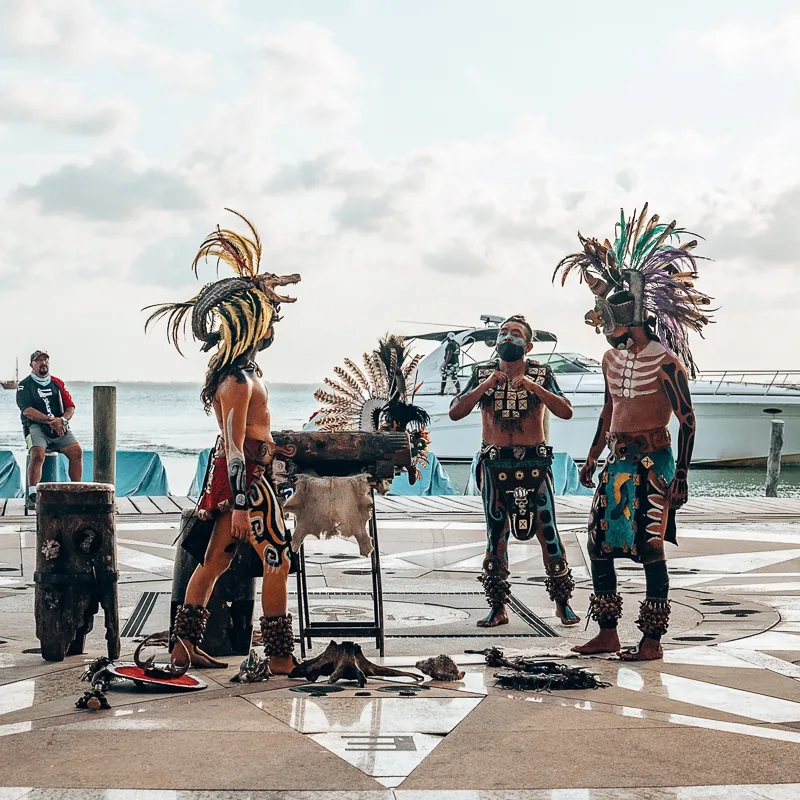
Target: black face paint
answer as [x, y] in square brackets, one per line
[623, 342]
[510, 348]
[265, 343]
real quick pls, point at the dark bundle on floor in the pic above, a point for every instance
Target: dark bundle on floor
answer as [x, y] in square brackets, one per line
[542, 676]
[528, 674]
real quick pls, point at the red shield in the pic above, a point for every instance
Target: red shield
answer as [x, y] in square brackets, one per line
[136, 674]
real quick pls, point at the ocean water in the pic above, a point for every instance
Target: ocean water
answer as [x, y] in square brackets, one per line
[168, 418]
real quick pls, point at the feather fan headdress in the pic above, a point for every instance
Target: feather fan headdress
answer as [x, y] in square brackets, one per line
[235, 314]
[376, 398]
[646, 277]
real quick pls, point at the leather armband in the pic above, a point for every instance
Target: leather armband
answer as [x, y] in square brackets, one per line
[237, 474]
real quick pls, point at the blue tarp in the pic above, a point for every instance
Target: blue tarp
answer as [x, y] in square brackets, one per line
[565, 476]
[433, 481]
[138, 473]
[10, 476]
[200, 473]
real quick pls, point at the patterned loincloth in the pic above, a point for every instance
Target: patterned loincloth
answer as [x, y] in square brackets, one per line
[630, 517]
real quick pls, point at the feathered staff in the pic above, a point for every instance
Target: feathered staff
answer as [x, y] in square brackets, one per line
[648, 259]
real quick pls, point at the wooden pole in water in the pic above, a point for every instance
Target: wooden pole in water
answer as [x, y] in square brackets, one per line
[774, 457]
[105, 434]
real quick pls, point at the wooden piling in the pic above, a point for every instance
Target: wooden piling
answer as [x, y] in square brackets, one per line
[76, 567]
[774, 457]
[104, 413]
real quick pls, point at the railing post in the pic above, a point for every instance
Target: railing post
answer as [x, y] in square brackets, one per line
[774, 457]
[105, 434]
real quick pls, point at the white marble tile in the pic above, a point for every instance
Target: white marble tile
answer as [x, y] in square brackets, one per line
[399, 614]
[13, 792]
[777, 791]
[401, 715]
[763, 661]
[15, 727]
[17, 695]
[767, 641]
[706, 656]
[735, 562]
[709, 695]
[381, 755]
[147, 562]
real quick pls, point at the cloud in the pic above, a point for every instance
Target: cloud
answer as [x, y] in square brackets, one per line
[736, 44]
[363, 213]
[79, 33]
[457, 259]
[770, 234]
[110, 188]
[61, 108]
[627, 179]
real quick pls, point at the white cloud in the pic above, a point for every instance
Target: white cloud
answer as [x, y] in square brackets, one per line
[79, 33]
[61, 108]
[115, 186]
[736, 44]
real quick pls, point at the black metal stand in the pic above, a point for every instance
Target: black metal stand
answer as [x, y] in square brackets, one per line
[333, 630]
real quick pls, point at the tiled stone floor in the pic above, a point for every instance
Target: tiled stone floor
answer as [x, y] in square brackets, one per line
[718, 718]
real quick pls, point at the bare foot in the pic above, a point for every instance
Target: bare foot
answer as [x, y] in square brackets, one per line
[197, 658]
[606, 641]
[282, 665]
[646, 650]
[497, 616]
[566, 614]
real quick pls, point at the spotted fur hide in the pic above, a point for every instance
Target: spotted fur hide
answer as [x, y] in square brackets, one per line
[327, 507]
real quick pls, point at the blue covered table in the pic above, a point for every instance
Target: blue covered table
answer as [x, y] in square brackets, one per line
[10, 475]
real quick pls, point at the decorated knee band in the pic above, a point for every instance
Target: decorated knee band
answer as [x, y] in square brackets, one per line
[190, 623]
[559, 581]
[277, 635]
[495, 585]
[653, 619]
[605, 609]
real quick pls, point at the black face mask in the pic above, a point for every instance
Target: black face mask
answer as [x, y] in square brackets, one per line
[265, 343]
[508, 351]
[623, 342]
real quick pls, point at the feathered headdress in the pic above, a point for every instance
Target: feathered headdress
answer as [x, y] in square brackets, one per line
[646, 277]
[376, 398]
[234, 313]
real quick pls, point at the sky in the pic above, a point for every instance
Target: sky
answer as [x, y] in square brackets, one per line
[416, 162]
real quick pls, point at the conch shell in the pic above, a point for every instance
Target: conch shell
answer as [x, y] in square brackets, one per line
[441, 668]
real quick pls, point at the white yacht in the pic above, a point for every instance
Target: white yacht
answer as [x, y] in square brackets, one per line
[733, 408]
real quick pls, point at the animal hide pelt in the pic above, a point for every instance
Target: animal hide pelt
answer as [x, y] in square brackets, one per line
[327, 507]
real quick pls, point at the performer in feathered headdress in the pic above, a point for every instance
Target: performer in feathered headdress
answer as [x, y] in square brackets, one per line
[237, 317]
[646, 304]
[377, 397]
[514, 468]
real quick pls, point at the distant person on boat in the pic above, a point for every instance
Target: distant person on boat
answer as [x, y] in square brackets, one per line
[238, 503]
[46, 409]
[450, 363]
[514, 470]
[646, 305]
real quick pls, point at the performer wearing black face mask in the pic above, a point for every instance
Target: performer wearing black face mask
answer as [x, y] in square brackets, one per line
[514, 466]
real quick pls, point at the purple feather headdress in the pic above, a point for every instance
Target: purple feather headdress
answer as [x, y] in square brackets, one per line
[646, 277]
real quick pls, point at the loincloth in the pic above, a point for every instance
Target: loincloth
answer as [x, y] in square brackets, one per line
[266, 515]
[517, 488]
[630, 515]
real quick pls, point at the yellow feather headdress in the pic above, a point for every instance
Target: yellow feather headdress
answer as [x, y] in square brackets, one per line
[234, 313]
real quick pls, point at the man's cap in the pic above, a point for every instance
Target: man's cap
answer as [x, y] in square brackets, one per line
[36, 353]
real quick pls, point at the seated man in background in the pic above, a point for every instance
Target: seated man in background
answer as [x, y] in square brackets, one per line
[46, 408]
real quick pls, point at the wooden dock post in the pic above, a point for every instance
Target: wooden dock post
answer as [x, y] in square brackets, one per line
[76, 567]
[104, 414]
[774, 457]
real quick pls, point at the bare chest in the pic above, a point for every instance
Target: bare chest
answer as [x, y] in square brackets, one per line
[633, 375]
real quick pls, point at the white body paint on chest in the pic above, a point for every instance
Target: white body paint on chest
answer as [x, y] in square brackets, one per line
[634, 375]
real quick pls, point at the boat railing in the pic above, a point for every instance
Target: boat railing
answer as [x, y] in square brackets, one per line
[771, 380]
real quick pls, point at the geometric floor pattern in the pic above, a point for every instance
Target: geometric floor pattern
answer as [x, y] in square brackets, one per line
[718, 718]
